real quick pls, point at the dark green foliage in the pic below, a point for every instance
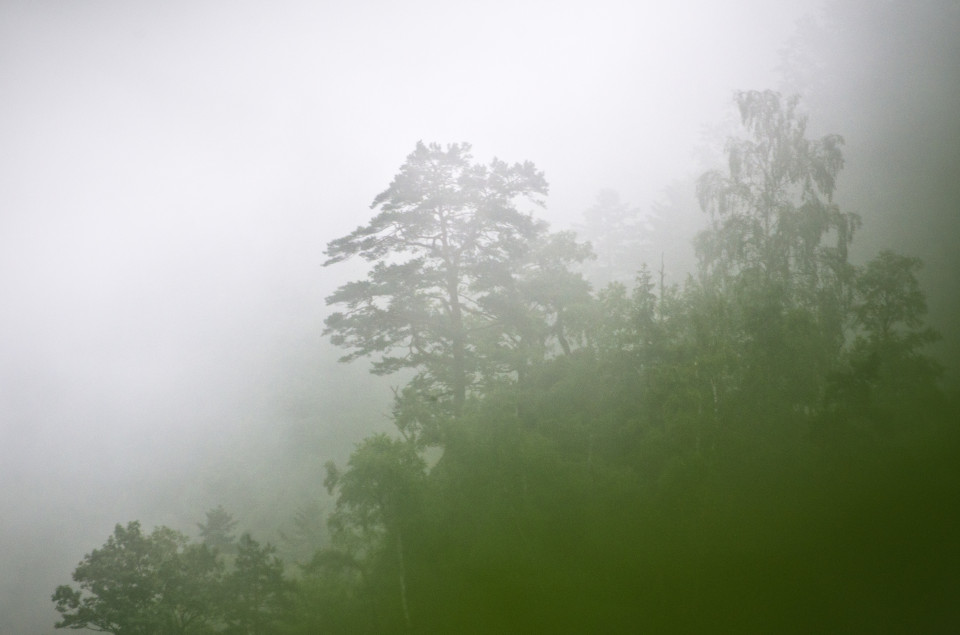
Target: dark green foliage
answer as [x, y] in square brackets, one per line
[727, 456]
[378, 494]
[890, 305]
[765, 449]
[254, 590]
[887, 378]
[162, 584]
[142, 584]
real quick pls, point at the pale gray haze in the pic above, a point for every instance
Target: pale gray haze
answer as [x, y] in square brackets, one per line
[170, 173]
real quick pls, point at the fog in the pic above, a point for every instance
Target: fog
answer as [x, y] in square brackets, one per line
[171, 172]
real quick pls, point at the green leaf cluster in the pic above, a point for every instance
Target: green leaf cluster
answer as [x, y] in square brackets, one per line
[161, 583]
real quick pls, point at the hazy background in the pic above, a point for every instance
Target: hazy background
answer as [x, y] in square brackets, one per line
[171, 172]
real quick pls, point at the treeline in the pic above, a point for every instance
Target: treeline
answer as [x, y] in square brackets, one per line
[763, 449]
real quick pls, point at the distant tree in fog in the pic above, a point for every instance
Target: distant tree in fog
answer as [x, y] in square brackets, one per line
[254, 590]
[449, 249]
[618, 234]
[142, 584]
[162, 584]
[441, 221]
[217, 531]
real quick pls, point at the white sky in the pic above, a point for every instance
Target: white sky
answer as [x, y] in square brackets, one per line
[170, 173]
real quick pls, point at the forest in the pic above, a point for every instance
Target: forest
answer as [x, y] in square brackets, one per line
[577, 446]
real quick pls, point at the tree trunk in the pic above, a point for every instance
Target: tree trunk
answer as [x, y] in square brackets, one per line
[458, 343]
[403, 581]
[559, 331]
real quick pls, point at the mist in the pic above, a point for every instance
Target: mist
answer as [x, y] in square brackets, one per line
[172, 172]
